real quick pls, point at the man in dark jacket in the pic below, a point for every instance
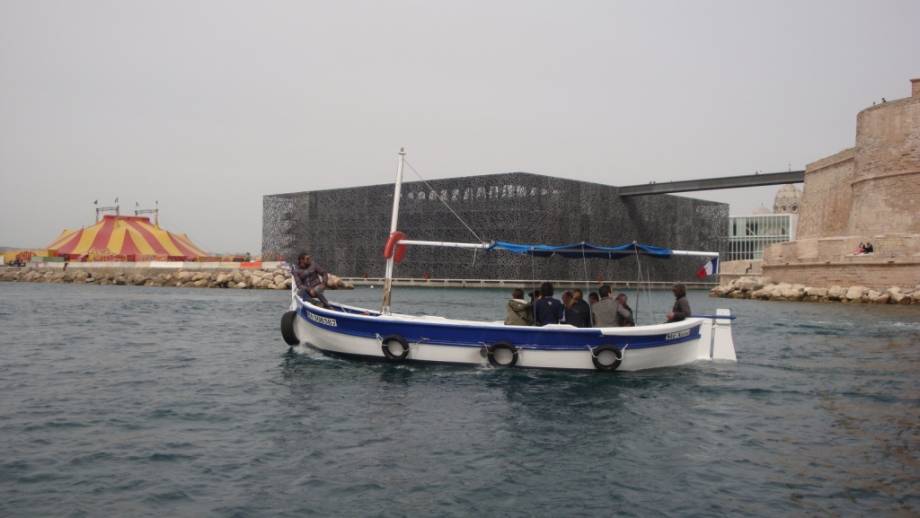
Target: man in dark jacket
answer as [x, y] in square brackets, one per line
[548, 309]
[578, 313]
[681, 309]
[310, 279]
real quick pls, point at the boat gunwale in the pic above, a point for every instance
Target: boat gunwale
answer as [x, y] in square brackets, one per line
[646, 330]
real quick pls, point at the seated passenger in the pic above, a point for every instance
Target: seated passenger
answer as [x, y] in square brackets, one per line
[681, 309]
[519, 311]
[578, 312]
[605, 311]
[566, 302]
[548, 310]
[624, 315]
[868, 248]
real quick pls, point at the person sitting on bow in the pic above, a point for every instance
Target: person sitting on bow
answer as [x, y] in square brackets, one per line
[310, 279]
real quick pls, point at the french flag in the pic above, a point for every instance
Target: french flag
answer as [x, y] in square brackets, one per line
[710, 268]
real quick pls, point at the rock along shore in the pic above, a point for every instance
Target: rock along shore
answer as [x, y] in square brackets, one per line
[273, 279]
[765, 289]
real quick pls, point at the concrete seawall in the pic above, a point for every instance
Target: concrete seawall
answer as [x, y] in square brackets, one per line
[273, 277]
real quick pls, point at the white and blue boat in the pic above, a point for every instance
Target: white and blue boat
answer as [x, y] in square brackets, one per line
[363, 333]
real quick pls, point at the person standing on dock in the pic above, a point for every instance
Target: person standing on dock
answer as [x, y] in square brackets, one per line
[681, 309]
[549, 310]
[310, 279]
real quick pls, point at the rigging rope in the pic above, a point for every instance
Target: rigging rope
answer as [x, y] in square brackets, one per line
[444, 202]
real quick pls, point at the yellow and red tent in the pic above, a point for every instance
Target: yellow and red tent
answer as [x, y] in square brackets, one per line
[127, 238]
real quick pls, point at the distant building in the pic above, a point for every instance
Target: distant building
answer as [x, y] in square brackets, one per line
[749, 235]
[788, 199]
[869, 193]
[345, 229]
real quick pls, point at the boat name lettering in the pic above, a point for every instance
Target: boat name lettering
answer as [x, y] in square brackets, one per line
[677, 334]
[322, 320]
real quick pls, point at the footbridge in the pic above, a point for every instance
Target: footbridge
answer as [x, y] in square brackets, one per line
[711, 184]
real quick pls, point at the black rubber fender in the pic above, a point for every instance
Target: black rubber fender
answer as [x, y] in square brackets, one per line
[384, 345]
[618, 353]
[499, 346]
[287, 328]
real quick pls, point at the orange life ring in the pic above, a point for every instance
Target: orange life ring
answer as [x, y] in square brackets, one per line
[397, 252]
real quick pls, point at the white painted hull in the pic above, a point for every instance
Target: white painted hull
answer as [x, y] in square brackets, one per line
[342, 337]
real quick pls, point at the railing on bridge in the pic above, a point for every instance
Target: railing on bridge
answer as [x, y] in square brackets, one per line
[709, 184]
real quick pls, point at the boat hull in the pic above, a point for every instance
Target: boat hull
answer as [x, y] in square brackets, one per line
[356, 332]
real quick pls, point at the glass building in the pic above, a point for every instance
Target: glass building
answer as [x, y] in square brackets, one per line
[749, 235]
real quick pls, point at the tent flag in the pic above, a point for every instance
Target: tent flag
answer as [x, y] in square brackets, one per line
[579, 250]
[710, 268]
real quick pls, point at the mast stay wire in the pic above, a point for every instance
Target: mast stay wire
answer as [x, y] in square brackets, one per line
[442, 200]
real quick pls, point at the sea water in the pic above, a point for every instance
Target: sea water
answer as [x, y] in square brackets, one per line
[130, 401]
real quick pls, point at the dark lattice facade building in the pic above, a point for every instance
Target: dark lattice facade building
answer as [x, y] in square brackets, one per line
[345, 229]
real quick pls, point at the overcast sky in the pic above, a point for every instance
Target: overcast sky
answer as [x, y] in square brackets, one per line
[207, 106]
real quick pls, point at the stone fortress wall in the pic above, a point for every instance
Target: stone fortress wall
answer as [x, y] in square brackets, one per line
[825, 208]
[868, 193]
[345, 229]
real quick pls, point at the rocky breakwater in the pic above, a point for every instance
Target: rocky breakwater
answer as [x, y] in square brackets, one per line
[276, 279]
[765, 289]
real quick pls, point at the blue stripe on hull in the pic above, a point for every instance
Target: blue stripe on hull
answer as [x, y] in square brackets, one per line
[475, 336]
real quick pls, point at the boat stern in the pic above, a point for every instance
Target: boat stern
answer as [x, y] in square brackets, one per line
[716, 342]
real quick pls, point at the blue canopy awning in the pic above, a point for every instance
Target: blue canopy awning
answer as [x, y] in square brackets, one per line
[579, 250]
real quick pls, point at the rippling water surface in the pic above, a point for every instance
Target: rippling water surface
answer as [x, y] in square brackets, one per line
[145, 401]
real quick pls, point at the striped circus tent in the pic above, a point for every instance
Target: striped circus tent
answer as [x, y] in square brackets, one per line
[125, 238]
